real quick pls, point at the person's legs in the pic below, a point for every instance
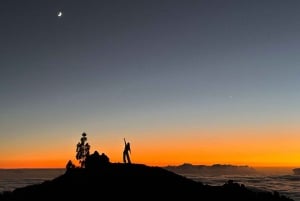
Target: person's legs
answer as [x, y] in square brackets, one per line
[128, 158]
[124, 157]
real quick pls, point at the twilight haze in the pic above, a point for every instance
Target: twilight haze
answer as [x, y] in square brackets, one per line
[202, 82]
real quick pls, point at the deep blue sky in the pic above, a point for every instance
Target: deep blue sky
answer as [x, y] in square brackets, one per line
[123, 67]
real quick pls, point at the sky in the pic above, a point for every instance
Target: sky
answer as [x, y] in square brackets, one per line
[201, 82]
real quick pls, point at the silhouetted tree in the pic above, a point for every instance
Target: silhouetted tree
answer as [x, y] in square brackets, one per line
[82, 150]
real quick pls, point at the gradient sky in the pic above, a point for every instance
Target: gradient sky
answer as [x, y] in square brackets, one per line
[201, 82]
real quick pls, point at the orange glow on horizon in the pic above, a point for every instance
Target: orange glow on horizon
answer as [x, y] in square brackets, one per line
[11, 164]
[268, 147]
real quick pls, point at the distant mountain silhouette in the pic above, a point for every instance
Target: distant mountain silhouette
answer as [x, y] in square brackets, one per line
[296, 171]
[216, 169]
[132, 182]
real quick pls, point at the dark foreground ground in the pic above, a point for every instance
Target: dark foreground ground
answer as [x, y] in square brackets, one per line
[133, 182]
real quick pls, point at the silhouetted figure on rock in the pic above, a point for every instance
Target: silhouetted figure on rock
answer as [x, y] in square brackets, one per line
[70, 165]
[126, 157]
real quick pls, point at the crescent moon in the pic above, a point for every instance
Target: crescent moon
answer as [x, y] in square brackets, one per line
[59, 14]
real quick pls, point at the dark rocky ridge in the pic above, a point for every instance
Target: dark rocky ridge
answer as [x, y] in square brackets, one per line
[132, 182]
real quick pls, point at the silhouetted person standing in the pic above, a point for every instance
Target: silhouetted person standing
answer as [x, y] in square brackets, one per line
[126, 157]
